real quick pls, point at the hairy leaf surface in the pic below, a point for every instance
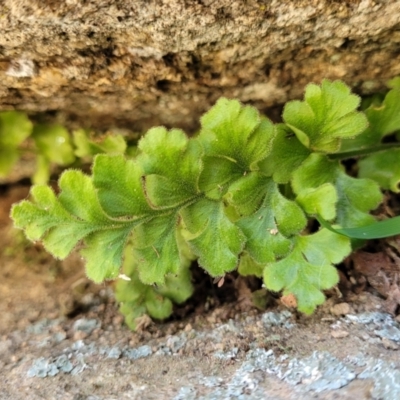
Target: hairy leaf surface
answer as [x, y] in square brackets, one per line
[137, 298]
[383, 168]
[308, 269]
[104, 251]
[119, 186]
[237, 133]
[320, 201]
[384, 119]
[156, 249]
[355, 197]
[247, 193]
[325, 117]
[172, 165]
[248, 266]
[268, 229]
[212, 236]
[86, 147]
[287, 154]
[75, 215]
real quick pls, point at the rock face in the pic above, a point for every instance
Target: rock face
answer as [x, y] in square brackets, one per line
[142, 63]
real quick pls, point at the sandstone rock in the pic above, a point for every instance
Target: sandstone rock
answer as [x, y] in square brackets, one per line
[142, 63]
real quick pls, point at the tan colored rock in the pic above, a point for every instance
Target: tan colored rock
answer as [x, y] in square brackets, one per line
[389, 344]
[339, 334]
[142, 63]
[341, 309]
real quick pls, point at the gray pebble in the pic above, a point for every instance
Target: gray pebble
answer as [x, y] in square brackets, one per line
[86, 325]
[140, 352]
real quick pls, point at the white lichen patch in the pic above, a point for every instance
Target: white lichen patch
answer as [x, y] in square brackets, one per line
[21, 68]
[146, 52]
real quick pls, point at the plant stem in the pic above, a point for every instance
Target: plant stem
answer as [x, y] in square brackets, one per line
[363, 152]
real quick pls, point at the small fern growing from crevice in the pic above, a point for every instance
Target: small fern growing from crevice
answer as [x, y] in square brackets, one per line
[49, 145]
[238, 195]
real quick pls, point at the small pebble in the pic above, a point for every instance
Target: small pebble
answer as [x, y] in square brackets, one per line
[114, 352]
[85, 325]
[79, 335]
[341, 309]
[340, 334]
[14, 359]
[389, 344]
[365, 336]
[118, 320]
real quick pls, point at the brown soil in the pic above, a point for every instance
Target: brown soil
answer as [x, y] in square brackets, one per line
[35, 288]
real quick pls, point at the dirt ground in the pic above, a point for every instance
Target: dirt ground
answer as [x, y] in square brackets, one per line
[62, 337]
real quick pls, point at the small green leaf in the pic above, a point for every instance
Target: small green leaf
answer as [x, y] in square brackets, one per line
[172, 165]
[237, 133]
[53, 142]
[384, 119]
[217, 174]
[178, 287]
[261, 298]
[113, 144]
[78, 197]
[41, 215]
[131, 311]
[267, 230]
[315, 171]
[308, 269]
[394, 83]
[137, 299]
[15, 127]
[287, 154]
[156, 249]
[356, 197]
[47, 219]
[247, 193]
[104, 251]
[158, 306]
[75, 215]
[383, 168]
[86, 147]
[212, 236]
[321, 201]
[249, 267]
[119, 186]
[325, 117]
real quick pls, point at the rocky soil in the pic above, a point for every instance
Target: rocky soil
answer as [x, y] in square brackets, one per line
[61, 337]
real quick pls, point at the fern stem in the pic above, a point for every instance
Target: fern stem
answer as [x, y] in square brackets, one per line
[363, 152]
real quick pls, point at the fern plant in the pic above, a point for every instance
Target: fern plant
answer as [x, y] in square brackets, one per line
[50, 145]
[239, 195]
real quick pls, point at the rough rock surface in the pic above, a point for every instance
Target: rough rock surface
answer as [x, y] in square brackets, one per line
[142, 63]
